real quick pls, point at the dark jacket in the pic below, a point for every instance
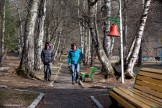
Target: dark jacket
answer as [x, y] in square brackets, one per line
[47, 56]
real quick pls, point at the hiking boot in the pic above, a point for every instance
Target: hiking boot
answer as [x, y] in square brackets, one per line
[79, 82]
[73, 82]
[45, 79]
[49, 79]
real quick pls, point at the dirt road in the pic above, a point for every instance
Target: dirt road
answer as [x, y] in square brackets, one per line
[65, 95]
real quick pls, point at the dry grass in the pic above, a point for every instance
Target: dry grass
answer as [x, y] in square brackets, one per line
[15, 98]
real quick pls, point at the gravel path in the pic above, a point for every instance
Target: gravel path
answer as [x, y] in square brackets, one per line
[65, 95]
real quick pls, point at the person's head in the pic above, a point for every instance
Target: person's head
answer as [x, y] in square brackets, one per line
[73, 46]
[47, 45]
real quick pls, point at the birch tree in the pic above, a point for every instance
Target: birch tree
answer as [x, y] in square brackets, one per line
[133, 58]
[85, 41]
[19, 28]
[125, 32]
[27, 60]
[81, 27]
[93, 41]
[85, 33]
[58, 44]
[95, 37]
[39, 38]
[107, 40]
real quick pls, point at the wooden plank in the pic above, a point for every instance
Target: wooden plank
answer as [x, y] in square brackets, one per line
[140, 98]
[149, 97]
[121, 100]
[149, 91]
[148, 79]
[152, 70]
[131, 99]
[149, 85]
[157, 76]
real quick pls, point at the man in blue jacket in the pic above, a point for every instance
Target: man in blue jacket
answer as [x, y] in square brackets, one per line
[74, 59]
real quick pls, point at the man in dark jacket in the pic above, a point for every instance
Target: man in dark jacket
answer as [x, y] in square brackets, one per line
[47, 57]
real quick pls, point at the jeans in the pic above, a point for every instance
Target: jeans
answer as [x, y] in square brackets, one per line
[47, 71]
[75, 71]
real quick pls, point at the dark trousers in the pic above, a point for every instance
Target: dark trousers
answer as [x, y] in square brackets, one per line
[47, 70]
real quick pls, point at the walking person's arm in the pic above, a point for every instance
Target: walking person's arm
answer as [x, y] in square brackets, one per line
[42, 56]
[69, 59]
[81, 56]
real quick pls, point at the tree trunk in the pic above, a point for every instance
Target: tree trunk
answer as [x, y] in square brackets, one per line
[58, 44]
[81, 29]
[19, 30]
[130, 51]
[39, 39]
[92, 53]
[140, 50]
[85, 41]
[2, 47]
[89, 46]
[107, 40]
[55, 40]
[95, 37]
[131, 63]
[57, 51]
[125, 32]
[27, 61]
[140, 56]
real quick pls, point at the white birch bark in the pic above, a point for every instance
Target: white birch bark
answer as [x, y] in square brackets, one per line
[125, 32]
[83, 36]
[107, 41]
[143, 3]
[131, 63]
[80, 28]
[39, 39]
[89, 46]
[27, 61]
[85, 42]
[130, 50]
[58, 44]
[20, 29]
[102, 56]
[60, 34]
[55, 40]
[95, 37]
[111, 46]
[89, 50]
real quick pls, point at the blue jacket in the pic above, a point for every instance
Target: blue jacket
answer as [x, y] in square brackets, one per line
[74, 57]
